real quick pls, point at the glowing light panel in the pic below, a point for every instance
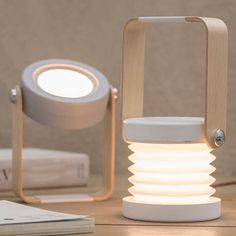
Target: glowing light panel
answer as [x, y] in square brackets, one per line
[65, 83]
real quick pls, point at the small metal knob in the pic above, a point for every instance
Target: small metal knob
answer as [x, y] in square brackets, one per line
[115, 92]
[13, 95]
[219, 137]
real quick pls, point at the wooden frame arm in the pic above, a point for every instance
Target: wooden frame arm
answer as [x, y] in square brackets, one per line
[108, 161]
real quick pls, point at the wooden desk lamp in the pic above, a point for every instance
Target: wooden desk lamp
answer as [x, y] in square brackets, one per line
[69, 95]
[171, 155]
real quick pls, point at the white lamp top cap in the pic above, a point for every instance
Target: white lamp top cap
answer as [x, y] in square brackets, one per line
[163, 129]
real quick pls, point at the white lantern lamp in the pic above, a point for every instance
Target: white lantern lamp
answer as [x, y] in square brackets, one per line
[67, 95]
[172, 155]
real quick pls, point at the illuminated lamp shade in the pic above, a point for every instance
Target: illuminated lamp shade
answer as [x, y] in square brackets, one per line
[171, 169]
[69, 95]
[171, 156]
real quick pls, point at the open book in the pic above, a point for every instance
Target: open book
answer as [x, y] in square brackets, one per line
[17, 219]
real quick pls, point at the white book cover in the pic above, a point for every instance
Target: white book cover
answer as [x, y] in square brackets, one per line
[44, 168]
[18, 219]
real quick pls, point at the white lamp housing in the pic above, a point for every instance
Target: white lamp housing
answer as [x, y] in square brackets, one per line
[171, 171]
[64, 94]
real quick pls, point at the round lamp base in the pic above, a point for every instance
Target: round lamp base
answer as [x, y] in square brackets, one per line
[172, 213]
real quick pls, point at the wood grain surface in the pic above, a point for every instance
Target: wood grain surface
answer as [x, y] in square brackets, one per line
[109, 219]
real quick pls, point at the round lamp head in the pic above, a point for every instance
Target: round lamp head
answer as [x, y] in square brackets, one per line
[64, 94]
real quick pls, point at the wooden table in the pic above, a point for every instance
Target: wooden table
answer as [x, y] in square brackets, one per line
[109, 219]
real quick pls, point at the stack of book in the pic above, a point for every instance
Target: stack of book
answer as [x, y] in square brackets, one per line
[44, 168]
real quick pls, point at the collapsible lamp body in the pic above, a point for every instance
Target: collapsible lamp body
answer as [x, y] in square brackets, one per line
[67, 95]
[171, 156]
[171, 170]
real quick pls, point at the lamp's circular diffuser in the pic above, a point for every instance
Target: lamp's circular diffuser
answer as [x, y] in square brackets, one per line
[64, 94]
[171, 167]
[65, 83]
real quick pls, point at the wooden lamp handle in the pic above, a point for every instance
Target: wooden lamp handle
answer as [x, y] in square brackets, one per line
[216, 72]
[108, 175]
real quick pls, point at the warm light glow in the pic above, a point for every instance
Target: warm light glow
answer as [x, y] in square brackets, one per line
[171, 173]
[65, 83]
